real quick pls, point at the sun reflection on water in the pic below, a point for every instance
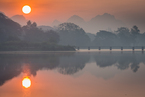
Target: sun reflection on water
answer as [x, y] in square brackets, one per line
[26, 82]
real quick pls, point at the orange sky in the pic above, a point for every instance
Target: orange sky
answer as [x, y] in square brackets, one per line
[45, 11]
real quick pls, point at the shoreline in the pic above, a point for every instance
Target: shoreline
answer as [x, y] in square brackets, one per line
[76, 51]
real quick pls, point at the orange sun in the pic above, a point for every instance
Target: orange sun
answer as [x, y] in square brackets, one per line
[26, 82]
[26, 9]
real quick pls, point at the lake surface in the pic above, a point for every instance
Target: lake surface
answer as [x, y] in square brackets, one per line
[73, 74]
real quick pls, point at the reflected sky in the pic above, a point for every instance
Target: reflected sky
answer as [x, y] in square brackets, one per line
[75, 74]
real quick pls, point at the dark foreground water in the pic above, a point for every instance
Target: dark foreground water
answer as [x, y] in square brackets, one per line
[73, 74]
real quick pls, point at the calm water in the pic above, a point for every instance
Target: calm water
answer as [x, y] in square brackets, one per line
[73, 74]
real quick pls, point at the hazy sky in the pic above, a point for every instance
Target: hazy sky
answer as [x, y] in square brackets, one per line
[45, 11]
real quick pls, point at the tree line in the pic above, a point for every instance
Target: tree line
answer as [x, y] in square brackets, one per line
[13, 36]
[71, 34]
[28, 37]
[122, 37]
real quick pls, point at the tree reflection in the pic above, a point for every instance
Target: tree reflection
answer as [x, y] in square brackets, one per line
[72, 64]
[11, 65]
[122, 61]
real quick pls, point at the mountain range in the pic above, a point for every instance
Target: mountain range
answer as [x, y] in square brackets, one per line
[100, 22]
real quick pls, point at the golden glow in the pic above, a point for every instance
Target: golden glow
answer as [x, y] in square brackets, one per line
[26, 9]
[26, 82]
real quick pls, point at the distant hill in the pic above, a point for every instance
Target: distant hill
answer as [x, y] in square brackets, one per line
[100, 22]
[55, 23]
[8, 28]
[76, 20]
[104, 22]
[19, 19]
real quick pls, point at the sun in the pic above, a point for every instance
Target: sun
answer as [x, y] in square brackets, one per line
[26, 82]
[26, 9]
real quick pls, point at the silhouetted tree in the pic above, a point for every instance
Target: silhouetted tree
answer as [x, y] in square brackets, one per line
[105, 38]
[124, 36]
[36, 35]
[136, 35]
[34, 24]
[135, 30]
[29, 23]
[71, 34]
